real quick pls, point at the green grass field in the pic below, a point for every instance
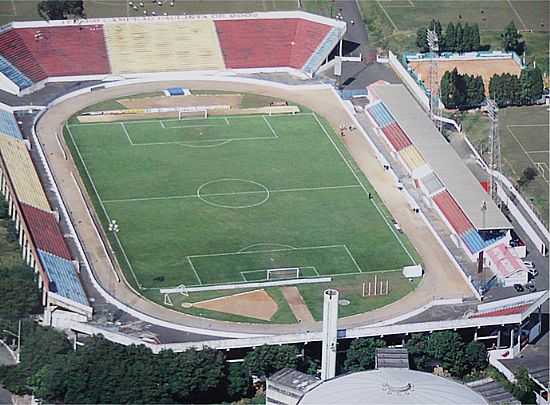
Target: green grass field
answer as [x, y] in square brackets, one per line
[524, 142]
[223, 199]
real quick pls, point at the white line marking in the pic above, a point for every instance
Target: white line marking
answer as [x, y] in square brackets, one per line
[270, 127]
[103, 206]
[522, 148]
[60, 146]
[363, 187]
[517, 14]
[175, 197]
[353, 259]
[194, 270]
[387, 15]
[226, 120]
[126, 132]
[268, 251]
[162, 124]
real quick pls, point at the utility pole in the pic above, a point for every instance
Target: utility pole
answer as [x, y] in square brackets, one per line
[433, 44]
[495, 162]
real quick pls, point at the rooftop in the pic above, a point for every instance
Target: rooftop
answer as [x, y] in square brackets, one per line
[441, 157]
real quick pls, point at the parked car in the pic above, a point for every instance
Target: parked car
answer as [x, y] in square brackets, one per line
[518, 287]
[530, 287]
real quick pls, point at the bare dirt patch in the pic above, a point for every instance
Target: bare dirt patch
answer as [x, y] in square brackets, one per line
[484, 68]
[297, 304]
[253, 304]
[232, 100]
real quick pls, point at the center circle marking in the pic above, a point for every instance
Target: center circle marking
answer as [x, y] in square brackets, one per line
[204, 196]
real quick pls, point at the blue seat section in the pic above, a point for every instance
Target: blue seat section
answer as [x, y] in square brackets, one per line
[12, 73]
[322, 52]
[63, 277]
[8, 125]
[475, 242]
[381, 115]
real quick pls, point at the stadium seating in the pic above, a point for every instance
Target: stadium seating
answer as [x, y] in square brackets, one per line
[13, 74]
[381, 115]
[163, 46]
[256, 43]
[309, 35]
[14, 49]
[67, 51]
[511, 310]
[63, 277]
[8, 125]
[412, 158]
[396, 137]
[331, 40]
[45, 231]
[432, 183]
[22, 173]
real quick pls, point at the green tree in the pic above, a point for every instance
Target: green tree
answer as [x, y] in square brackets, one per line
[459, 38]
[475, 356]
[467, 44]
[417, 346]
[449, 41]
[422, 39]
[239, 382]
[511, 39]
[476, 41]
[361, 354]
[447, 348]
[61, 9]
[524, 387]
[15, 305]
[265, 360]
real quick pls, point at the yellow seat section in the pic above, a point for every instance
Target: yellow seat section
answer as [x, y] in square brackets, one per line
[163, 46]
[22, 173]
[411, 157]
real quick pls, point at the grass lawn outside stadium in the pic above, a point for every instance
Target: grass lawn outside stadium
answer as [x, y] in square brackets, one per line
[222, 200]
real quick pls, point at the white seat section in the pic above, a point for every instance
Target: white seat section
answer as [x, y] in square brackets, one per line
[163, 46]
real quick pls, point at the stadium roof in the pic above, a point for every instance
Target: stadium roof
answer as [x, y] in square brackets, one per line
[441, 157]
[391, 386]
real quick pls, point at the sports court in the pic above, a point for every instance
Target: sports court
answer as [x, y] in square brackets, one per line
[231, 198]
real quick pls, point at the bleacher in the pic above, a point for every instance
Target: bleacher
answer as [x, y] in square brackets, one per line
[163, 46]
[256, 43]
[309, 35]
[396, 137]
[14, 49]
[315, 60]
[460, 223]
[69, 50]
[63, 277]
[432, 183]
[8, 125]
[381, 115]
[45, 231]
[22, 173]
[412, 158]
[13, 74]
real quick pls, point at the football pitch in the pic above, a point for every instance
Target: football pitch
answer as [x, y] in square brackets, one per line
[224, 199]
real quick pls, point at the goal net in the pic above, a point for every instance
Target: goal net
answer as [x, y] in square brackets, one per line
[283, 273]
[192, 112]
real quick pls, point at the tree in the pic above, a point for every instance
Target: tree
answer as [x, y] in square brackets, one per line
[527, 176]
[475, 357]
[418, 352]
[15, 305]
[265, 360]
[476, 41]
[467, 38]
[511, 39]
[239, 382]
[453, 89]
[459, 38]
[61, 9]
[361, 354]
[524, 387]
[447, 348]
[449, 41]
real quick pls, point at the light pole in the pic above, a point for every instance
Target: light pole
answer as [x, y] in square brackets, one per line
[18, 336]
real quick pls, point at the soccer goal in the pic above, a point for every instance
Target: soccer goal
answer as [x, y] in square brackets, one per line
[283, 273]
[192, 112]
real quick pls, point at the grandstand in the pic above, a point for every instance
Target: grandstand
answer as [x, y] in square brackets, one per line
[39, 234]
[475, 221]
[32, 53]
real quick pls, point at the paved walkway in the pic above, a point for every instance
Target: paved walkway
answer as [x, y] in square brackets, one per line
[297, 305]
[440, 280]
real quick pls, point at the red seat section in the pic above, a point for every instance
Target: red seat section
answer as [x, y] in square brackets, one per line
[269, 42]
[518, 309]
[452, 212]
[308, 36]
[396, 136]
[256, 43]
[45, 231]
[68, 51]
[13, 48]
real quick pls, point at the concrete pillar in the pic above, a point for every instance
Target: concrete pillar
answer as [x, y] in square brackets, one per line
[498, 339]
[475, 335]
[330, 324]
[340, 48]
[512, 339]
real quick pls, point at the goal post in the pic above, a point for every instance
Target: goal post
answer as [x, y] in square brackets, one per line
[283, 273]
[185, 112]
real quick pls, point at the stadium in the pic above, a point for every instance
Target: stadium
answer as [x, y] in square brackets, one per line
[201, 176]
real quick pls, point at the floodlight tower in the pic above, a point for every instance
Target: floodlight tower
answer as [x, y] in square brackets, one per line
[495, 161]
[330, 332]
[433, 44]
